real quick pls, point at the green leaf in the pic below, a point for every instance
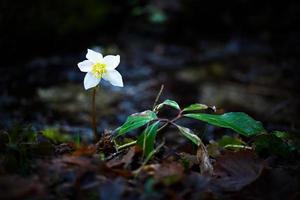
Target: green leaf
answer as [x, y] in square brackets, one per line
[195, 107]
[147, 138]
[19, 133]
[237, 121]
[136, 120]
[189, 134]
[281, 134]
[168, 102]
[229, 140]
[234, 143]
[271, 144]
[54, 135]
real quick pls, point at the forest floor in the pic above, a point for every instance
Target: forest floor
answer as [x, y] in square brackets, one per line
[47, 149]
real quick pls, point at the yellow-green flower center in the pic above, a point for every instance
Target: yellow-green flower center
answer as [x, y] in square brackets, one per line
[99, 69]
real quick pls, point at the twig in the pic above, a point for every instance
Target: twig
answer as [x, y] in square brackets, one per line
[158, 96]
[114, 154]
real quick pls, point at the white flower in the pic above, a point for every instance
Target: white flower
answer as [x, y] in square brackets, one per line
[98, 67]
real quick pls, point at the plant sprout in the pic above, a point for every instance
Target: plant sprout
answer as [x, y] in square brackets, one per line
[237, 121]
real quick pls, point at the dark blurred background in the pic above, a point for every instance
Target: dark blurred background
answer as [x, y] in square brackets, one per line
[238, 55]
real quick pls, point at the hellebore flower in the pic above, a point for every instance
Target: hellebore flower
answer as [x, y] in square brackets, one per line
[98, 67]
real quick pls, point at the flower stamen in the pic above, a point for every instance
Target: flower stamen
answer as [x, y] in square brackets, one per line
[99, 69]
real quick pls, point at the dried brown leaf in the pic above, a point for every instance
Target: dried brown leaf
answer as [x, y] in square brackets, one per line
[85, 151]
[203, 160]
[235, 170]
[167, 172]
[15, 187]
[106, 144]
[125, 160]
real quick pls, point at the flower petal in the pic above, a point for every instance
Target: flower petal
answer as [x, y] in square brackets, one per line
[111, 61]
[90, 81]
[85, 66]
[114, 77]
[94, 56]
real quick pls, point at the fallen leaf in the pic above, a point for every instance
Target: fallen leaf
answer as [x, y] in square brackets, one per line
[106, 144]
[113, 190]
[203, 160]
[64, 148]
[15, 187]
[85, 151]
[125, 160]
[235, 170]
[276, 184]
[167, 172]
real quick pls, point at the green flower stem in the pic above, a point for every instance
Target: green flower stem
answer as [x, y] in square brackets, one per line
[94, 118]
